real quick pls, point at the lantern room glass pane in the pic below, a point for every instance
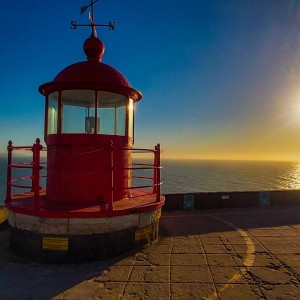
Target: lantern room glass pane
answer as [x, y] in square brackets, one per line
[121, 120]
[78, 111]
[52, 113]
[130, 117]
[112, 113]
[106, 120]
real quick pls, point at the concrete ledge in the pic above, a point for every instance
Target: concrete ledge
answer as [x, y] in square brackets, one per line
[232, 199]
[82, 226]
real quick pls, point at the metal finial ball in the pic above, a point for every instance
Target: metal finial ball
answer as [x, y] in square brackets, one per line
[93, 48]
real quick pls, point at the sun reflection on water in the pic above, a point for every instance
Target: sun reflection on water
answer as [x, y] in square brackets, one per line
[290, 177]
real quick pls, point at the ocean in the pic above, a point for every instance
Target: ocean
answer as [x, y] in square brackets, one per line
[187, 176]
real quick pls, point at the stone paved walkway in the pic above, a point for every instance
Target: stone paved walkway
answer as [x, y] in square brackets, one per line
[221, 254]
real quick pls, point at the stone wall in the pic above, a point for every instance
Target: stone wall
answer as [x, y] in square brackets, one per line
[230, 199]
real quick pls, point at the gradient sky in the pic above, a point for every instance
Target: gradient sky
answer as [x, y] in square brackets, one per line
[220, 78]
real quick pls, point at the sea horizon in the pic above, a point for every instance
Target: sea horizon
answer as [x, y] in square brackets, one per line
[211, 175]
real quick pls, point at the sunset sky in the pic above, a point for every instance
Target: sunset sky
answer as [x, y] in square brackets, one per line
[220, 78]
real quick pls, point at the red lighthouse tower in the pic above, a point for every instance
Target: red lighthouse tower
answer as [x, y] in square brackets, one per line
[89, 113]
[91, 207]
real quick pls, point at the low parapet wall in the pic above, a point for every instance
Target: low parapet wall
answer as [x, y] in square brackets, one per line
[190, 201]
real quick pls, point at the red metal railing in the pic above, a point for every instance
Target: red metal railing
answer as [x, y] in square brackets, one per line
[36, 165]
[155, 166]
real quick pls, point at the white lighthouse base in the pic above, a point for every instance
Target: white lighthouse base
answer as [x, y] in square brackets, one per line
[80, 239]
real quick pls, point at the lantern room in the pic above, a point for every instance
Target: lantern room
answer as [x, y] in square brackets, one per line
[90, 97]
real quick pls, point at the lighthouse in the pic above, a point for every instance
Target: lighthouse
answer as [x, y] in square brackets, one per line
[91, 206]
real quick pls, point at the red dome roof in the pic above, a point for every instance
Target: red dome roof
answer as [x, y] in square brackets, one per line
[91, 71]
[91, 74]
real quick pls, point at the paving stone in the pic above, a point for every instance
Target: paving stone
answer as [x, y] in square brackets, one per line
[222, 260]
[212, 240]
[190, 274]
[263, 232]
[265, 260]
[241, 249]
[289, 259]
[239, 240]
[189, 291]
[145, 291]
[188, 260]
[224, 274]
[294, 239]
[165, 241]
[282, 291]
[183, 249]
[155, 259]
[267, 275]
[296, 270]
[91, 290]
[212, 234]
[115, 274]
[236, 292]
[186, 241]
[288, 232]
[270, 239]
[231, 234]
[154, 274]
[158, 249]
[282, 227]
[127, 261]
[283, 248]
[210, 249]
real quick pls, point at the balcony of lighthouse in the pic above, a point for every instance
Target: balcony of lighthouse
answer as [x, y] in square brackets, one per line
[27, 194]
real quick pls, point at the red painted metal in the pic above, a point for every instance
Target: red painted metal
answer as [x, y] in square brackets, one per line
[36, 149]
[37, 202]
[94, 48]
[9, 172]
[112, 166]
[157, 179]
[91, 74]
[50, 87]
[79, 166]
[35, 165]
[24, 205]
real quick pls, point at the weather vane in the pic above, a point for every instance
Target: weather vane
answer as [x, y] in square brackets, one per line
[74, 25]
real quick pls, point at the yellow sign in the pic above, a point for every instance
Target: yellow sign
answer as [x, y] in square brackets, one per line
[3, 214]
[55, 243]
[143, 233]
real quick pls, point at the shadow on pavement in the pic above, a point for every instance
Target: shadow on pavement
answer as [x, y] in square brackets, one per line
[23, 279]
[182, 223]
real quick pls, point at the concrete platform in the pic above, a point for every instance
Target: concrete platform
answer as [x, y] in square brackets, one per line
[248, 253]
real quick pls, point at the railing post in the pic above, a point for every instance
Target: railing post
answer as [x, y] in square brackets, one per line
[155, 171]
[36, 149]
[111, 200]
[9, 173]
[33, 175]
[157, 166]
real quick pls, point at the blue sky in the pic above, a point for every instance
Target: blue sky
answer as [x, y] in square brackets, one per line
[220, 79]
